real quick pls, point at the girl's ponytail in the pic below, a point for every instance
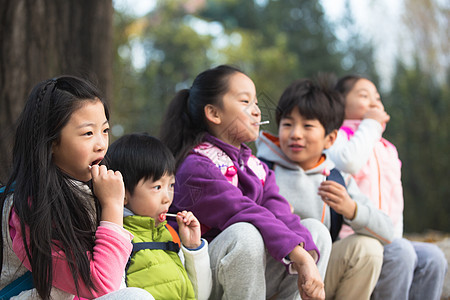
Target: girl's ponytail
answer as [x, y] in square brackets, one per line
[184, 124]
[178, 132]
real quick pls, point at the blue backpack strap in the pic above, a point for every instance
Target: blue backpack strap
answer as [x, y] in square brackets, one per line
[11, 188]
[167, 246]
[336, 219]
[23, 283]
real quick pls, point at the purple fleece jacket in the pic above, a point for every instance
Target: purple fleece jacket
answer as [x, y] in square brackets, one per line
[202, 188]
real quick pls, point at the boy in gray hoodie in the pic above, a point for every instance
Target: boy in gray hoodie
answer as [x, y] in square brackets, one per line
[308, 117]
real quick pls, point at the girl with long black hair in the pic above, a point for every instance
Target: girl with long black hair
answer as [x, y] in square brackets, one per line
[55, 223]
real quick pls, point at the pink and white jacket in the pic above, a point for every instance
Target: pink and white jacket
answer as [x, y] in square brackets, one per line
[111, 252]
[373, 161]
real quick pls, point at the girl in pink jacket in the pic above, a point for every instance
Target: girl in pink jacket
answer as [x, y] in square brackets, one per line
[411, 270]
[61, 211]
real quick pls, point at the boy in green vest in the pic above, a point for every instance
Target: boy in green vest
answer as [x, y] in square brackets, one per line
[148, 170]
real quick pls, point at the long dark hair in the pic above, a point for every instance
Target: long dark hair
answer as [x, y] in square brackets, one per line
[45, 200]
[184, 124]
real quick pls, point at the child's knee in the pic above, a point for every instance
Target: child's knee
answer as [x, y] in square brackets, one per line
[128, 293]
[432, 257]
[367, 256]
[318, 230]
[250, 241]
[401, 253]
[363, 250]
[438, 259]
[243, 241]
[138, 293]
[319, 233]
[371, 248]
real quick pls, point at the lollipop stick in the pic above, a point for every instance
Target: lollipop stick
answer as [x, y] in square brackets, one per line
[263, 122]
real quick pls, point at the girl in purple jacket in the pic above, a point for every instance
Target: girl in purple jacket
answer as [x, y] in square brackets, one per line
[257, 244]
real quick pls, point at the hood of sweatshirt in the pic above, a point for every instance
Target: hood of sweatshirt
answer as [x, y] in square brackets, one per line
[299, 187]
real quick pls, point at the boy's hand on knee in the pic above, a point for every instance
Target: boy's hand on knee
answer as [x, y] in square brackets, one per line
[189, 229]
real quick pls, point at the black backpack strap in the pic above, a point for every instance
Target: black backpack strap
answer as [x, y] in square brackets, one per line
[167, 246]
[336, 219]
[336, 176]
[268, 163]
[336, 224]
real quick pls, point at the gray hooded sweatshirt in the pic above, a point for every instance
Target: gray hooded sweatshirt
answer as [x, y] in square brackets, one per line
[300, 188]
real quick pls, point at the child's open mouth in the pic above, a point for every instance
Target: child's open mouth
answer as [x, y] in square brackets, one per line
[95, 162]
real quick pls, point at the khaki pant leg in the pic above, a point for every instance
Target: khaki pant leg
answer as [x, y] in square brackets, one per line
[354, 267]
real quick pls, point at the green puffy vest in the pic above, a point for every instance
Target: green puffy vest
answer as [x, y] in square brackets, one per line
[159, 272]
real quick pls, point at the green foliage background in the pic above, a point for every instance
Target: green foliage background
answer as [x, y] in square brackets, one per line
[276, 42]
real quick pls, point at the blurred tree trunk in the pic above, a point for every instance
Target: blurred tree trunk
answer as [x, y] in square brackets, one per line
[40, 39]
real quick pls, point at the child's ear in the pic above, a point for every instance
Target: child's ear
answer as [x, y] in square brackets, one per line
[54, 145]
[212, 114]
[127, 197]
[330, 139]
